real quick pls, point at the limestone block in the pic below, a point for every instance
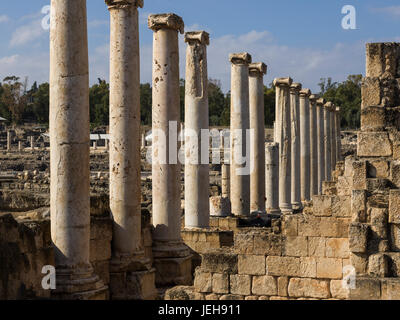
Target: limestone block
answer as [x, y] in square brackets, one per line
[316, 246]
[381, 59]
[220, 283]
[212, 297]
[341, 206]
[338, 291]
[100, 250]
[370, 94]
[244, 242]
[359, 206]
[366, 289]
[251, 264]
[250, 298]
[220, 207]
[390, 289]
[329, 187]
[220, 262]
[378, 265]
[317, 289]
[296, 287]
[309, 226]
[373, 144]
[289, 225]
[394, 206]
[264, 285]
[267, 244]
[329, 268]
[337, 248]
[100, 228]
[308, 267]
[203, 281]
[395, 237]
[360, 262]
[283, 283]
[283, 266]
[358, 236]
[379, 220]
[395, 173]
[322, 205]
[177, 271]
[344, 185]
[359, 175]
[296, 246]
[378, 169]
[233, 297]
[240, 284]
[264, 298]
[334, 227]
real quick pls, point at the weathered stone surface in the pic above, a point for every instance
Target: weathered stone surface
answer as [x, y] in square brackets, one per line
[220, 283]
[309, 226]
[264, 285]
[366, 289]
[219, 262]
[358, 236]
[296, 246]
[289, 225]
[283, 283]
[373, 144]
[370, 93]
[395, 237]
[341, 206]
[378, 265]
[251, 264]
[316, 246]
[231, 297]
[337, 248]
[240, 284]
[390, 289]
[337, 289]
[360, 262]
[322, 206]
[283, 266]
[203, 281]
[394, 206]
[308, 267]
[359, 205]
[378, 169]
[329, 268]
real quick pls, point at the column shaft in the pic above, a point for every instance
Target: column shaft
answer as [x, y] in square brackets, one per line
[338, 136]
[328, 141]
[295, 145]
[313, 147]
[305, 145]
[333, 137]
[257, 143]
[320, 143]
[197, 206]
[272, 177]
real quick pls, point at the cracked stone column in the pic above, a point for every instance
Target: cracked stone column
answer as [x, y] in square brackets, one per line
[328, 141]
[172, 258]
[338, 135]
[313, 147]
[333, 136]
[257, 143]
[295, 138]
[320, 143]
[272, 178]
[128, 261]
[240, 123]
[197, 180]
[283, 138]
[69, 156]
[305, 144]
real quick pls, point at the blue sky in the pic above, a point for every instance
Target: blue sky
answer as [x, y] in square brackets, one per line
[303, 39]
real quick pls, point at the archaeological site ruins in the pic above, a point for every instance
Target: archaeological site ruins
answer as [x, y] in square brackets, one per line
[297, 212]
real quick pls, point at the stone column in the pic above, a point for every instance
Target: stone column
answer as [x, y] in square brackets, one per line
[295, 138]
[143, 141]
[69, 156]
[225, 180]
[283, 132]
[221, 139]
[9, 140]
[338, 136]
[257, 143]
[197, 180]
[32, 142]
[305, 144]
[272, 178]
[106, 144]
[94, 145]
[313, 147]
[19, 146]
[328, 140]
[320, 143]
[171, 257]
[240, 177]
[333, 136]
[125, 190]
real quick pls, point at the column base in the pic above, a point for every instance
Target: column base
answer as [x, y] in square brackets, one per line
[297, 206]
[79, 284]
[173, 263]
[286, 209]
[132, 278]
[274, 211]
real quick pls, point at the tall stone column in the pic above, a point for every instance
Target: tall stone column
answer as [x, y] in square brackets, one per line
[225, 180]
[197, 180]
[240, 123]
[272, 178]
[171, 257]
[295, 145]
[9, 140]
[320, 143]
[19, 146]
[338, 135]
[69, 155]
[125, 191]
[328, 140]
[333, 137]
[283, 132]
[313, 147]
[32, 142]
[305, 144]
[257, 143]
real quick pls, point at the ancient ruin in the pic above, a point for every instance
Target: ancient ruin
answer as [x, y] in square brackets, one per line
[291, 213]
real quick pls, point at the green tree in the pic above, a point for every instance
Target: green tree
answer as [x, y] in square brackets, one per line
[99, 103]
[14, 97]
[216, 102]
[145, 104]
[269, 105]
[39, 97]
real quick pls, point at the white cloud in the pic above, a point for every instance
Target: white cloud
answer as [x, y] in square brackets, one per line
[98, 23]
[4, 18]
[393, 11]
[27, 33]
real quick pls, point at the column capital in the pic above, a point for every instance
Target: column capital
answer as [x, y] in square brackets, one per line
[201, 37]
[305, 93]
[123, 3]
[166, 21]
[258, 69]
[240, 58]
[337, 109]
[283, 82]
[295, 87]
[321, 102]
[313, 98]
[330, 106]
